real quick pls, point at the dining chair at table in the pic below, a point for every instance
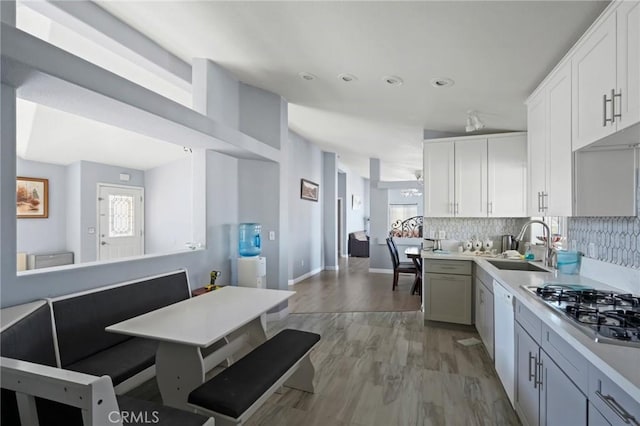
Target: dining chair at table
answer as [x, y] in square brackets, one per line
[399, 267]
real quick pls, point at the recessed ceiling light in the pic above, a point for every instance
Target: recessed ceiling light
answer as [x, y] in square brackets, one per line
[442, 82]
[392, 80]
[306, 76]
[347, 78]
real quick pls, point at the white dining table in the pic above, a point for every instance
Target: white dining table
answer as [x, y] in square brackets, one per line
[184, 329]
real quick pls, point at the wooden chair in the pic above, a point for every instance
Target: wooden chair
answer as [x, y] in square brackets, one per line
[399, 267]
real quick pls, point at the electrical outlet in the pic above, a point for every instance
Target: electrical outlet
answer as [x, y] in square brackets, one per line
[591, 251]
[272, 235]
[442, 235]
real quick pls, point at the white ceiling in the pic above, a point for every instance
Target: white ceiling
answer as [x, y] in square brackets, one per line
[497, 52]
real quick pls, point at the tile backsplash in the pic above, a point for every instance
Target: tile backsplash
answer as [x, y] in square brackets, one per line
[462, 229]
[616, 239]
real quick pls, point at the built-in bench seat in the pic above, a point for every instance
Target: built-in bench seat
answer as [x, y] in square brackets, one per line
[81, 399]
[238, 391]
[33, 387]
[84, 345]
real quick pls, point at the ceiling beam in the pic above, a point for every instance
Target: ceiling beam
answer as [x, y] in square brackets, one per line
[93, 22]
[50, 76]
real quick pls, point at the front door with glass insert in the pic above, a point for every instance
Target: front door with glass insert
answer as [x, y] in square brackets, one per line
[120, 221]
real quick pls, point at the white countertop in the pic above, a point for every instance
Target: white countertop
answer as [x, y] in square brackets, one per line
[203, 320]
[620, 363]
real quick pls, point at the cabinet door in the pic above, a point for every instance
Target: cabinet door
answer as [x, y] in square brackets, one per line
[449, 298]
[558, 197]
[628, 69]
[527, 400]
[471, 178]
[479, 308]
[489, 324]
[561, 402]
[537, 156]
[438, 179]
[595, 418]
[507, 176]
[594, 76]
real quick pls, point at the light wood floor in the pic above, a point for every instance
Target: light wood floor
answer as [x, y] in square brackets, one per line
[353, 289]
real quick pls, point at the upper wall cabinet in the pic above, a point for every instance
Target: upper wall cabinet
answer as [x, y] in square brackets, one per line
[476, 176]
[606, 76]
[549, 148]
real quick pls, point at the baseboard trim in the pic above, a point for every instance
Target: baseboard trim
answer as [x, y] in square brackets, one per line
[304, 276]
[331, 268]
[380, 271]
[277, 316]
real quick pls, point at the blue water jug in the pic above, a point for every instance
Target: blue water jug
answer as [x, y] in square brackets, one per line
[249, 239]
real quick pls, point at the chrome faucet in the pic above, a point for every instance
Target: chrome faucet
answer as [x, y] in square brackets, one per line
[547, 243]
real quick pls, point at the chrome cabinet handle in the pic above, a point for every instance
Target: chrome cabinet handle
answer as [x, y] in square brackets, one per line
[532, 375]
[613, 105]
[490, 207]
[544, 204]
[617, 408]
[539, 379]
[605, 120]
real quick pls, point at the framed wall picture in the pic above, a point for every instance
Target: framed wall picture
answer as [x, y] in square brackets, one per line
[32, 198]
[309, 190]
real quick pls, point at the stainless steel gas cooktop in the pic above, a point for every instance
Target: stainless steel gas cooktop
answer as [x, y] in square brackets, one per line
[610, 317]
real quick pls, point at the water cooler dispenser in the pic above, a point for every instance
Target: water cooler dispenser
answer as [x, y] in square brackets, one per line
[252, 268]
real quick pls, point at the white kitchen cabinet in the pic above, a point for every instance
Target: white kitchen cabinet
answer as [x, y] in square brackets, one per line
[507, 176]
[471, 178]
[606, 76]
[439, 179]
[549, 150]
[459, 174]
[594, 77]
[628, 65]
[537, 155]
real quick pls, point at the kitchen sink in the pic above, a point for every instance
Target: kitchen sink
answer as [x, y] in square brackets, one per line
[516, 265]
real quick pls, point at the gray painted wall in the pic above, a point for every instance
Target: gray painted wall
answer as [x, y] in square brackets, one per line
[222, 215]
[355, 218]
[329, 195]
[258, 202]
[379, 205]
[342, 194]
[260, 115]
[50, 234]
[216, 92]
[90, 175]
[305, 218]
[74, 209]
[167, 208]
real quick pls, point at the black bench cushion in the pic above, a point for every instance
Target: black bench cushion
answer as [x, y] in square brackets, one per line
[31, 339]
[235, 389]
[166, 416]
[81, 320]
[119, 362]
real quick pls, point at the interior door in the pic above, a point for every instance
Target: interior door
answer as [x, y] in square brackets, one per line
[120, 221]
[471, 178]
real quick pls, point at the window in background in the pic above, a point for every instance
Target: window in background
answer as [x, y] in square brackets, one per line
[401, 212]
[557, 225]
